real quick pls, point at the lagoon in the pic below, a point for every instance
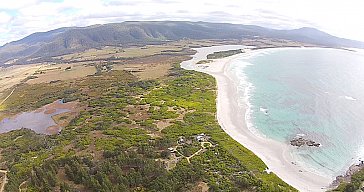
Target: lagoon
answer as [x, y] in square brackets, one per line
[40, 120]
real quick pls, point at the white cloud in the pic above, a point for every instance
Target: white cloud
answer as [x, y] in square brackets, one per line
[4, 18]
[17, 4]
[340, 17]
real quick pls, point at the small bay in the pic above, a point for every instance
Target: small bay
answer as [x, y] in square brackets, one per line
[316, 93]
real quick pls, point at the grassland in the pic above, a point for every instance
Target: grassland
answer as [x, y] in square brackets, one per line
[11, 76]
[137, 51]
[120, 53]
[145, 71]
[14, 79]
[49, 73]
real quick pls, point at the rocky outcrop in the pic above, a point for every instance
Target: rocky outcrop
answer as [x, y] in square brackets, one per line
[300, 142]
[347, 176]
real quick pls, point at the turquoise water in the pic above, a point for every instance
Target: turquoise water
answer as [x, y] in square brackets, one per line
[317, 93]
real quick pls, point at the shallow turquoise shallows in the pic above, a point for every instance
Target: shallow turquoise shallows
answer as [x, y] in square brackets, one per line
[317, 93]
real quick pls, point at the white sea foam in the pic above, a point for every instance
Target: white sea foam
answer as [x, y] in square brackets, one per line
[300, 135]
[249, 110]
[349, 98]
[359, 156]
[264, 110]
[244, 89]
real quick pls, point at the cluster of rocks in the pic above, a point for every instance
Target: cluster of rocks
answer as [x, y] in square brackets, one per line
[347, 176]
[299, 142]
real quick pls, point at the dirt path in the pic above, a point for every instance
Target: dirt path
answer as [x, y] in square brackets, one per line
[7, 97]
[23, 183]
[199, 151]
[5, 180]
[18, 137]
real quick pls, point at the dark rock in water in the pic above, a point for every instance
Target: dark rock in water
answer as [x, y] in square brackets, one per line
[299, 142]
[312, 143]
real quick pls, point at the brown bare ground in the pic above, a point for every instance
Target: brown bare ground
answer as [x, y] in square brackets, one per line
[53, 129]
[63, 119]
[3, 179]
[57, 105]
[12, 76]
[137, 112]
[145, 71]
[50, 73]
[163, 124]
[50, 111]
[200, 187]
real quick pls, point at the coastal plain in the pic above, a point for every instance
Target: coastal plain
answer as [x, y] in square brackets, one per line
[142, 123]
[142, 116]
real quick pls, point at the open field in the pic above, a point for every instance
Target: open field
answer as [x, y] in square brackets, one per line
[46, 74]
[177, 47]
[147, 68]
[118, 52]
[11, 76]
[258, 43]
[115, 52]
[145, 71]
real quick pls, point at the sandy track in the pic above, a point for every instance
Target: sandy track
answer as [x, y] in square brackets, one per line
[6, 98]
[5, 180]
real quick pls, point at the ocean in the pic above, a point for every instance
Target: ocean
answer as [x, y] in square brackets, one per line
[315, 93]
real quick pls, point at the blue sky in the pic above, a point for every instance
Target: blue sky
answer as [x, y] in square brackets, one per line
[343, 18]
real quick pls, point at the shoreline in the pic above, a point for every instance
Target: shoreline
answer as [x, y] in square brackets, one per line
[232, 119]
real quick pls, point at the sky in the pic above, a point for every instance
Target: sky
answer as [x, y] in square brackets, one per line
[343, 18]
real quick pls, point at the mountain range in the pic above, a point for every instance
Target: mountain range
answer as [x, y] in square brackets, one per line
[70, 39]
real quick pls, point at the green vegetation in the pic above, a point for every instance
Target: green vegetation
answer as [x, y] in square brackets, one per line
[222, 54]
[115, 144]
[356, 183]
[206, 61]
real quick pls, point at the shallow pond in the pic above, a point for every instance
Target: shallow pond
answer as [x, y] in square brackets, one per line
[40, 120]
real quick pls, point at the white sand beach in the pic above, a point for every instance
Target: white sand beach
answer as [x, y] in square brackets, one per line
[231, 117]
